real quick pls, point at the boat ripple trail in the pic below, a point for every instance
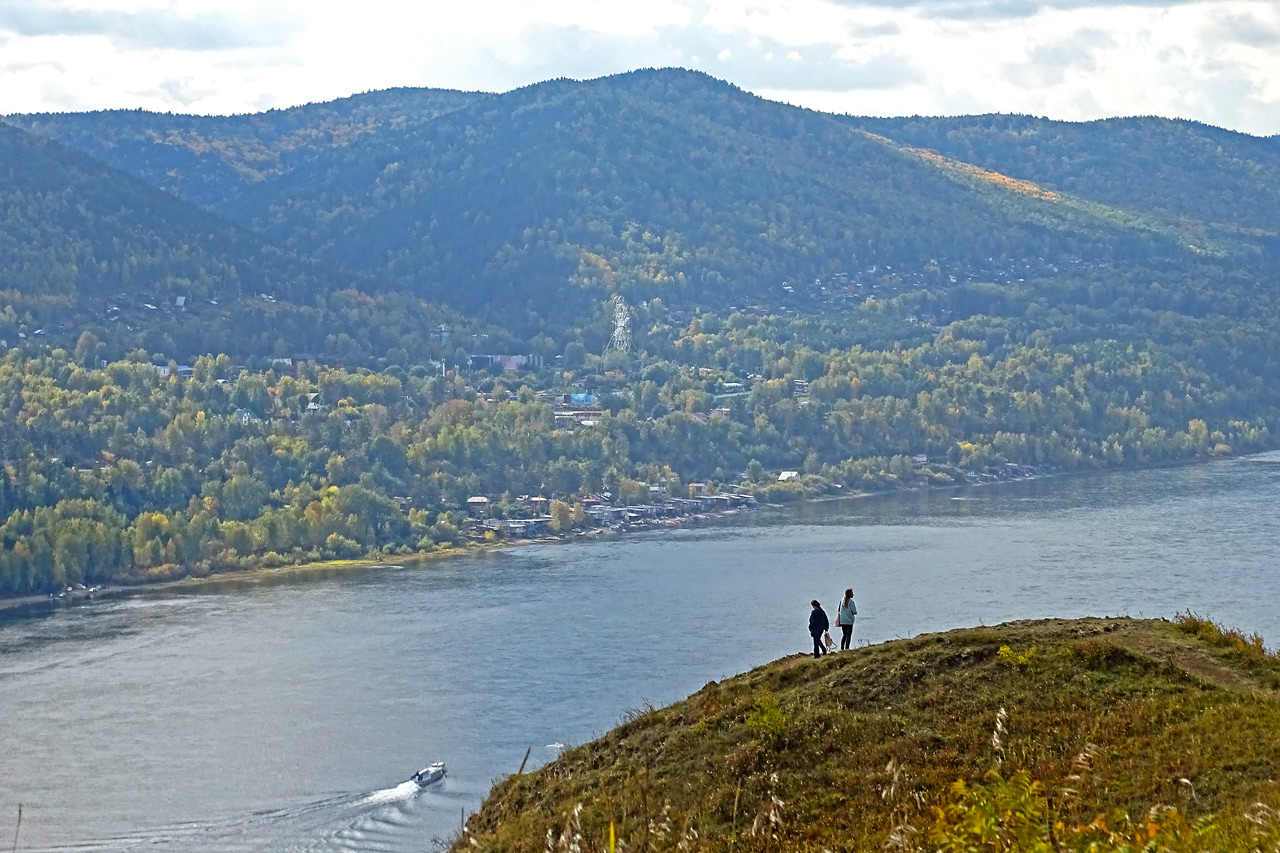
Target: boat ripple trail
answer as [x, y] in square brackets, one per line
[377, 820]
[403, 791]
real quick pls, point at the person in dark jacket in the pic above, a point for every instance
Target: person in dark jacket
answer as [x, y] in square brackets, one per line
[818, 626]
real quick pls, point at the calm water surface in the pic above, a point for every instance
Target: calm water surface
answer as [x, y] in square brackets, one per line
[285, 715]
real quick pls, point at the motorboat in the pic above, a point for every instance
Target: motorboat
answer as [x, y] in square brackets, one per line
[430, 774]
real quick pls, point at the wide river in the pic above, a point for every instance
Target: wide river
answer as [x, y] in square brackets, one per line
[285, 715]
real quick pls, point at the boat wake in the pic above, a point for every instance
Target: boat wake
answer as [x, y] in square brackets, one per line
[391, 819]
[403, 791]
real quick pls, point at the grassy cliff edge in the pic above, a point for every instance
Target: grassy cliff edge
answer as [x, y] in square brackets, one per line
[1089, 734]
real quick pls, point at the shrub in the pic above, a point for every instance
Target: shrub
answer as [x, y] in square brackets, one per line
[766, 720]
[1100, 654]
[1247, 647]
[1017, 660]
[341, 547]
[1015, 815]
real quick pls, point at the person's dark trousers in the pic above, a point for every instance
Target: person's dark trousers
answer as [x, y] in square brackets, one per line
[846, 635]
[818, 649]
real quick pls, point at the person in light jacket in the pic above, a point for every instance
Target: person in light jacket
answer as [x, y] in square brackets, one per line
[844, 618]
[818, 626]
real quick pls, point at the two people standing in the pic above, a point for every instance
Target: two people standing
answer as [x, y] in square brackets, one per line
[819, 624]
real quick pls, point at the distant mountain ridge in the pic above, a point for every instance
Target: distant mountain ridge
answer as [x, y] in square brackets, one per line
[75, 228]
[1182, 171]
[671, 183]
[202, 158]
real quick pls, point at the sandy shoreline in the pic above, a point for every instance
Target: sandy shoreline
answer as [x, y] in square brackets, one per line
[340, 566]
[240, 576]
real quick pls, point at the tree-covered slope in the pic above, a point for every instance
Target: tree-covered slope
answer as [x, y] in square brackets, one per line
[1090, 735]
[1223, 181]
[72, 227]
[213, 161]
[655, 182]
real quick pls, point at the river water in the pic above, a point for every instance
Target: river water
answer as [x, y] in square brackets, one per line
[285, 715]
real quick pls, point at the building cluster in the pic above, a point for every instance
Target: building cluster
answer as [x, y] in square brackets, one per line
[599, 514]
[1007, 471]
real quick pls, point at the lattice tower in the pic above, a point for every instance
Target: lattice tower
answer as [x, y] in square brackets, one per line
[620, 341]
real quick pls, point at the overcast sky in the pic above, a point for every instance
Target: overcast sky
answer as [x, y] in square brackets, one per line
[1216, 61]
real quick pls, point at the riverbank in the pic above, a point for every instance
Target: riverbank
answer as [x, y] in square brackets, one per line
[472, 546]
[248, 576]
[320, 568]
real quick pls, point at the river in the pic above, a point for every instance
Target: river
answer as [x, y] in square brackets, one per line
[284, 714]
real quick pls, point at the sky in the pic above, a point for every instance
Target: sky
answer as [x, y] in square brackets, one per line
[1216, 61]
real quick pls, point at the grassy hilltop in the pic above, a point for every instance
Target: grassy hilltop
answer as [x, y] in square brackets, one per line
[1091, 734]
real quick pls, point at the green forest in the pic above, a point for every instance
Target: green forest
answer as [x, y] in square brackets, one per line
[267, 340]
[118, 472]
[671, 184]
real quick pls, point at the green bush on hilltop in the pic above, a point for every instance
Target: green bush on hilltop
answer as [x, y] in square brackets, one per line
[766, 720]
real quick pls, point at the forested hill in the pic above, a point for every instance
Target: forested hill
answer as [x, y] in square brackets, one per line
[1217, 181]
[312, 414]
[660, 182]
[71, 227]
[213, 161]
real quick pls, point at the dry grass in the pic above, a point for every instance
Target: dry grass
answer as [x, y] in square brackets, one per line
[863, 750]
[1247, 647]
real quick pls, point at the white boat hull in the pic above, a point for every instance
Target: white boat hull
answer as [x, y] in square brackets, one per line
[430, 775]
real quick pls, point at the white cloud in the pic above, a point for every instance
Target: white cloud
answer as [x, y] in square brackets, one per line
[1214, 60]
[151, 28]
